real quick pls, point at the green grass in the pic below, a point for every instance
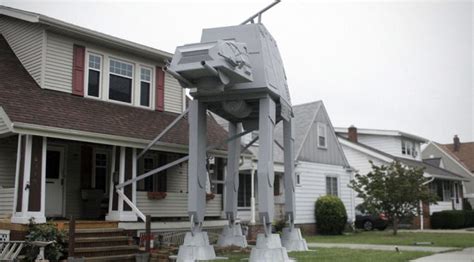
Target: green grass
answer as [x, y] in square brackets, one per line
[344, 254]
[403, 238]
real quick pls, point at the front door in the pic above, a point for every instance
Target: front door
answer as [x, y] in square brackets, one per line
[54, 182]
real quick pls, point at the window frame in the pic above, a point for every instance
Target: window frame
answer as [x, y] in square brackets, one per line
[86, 74]
[132, 78]
[338, 188]
[323, 125]
[95, 152]
[139, 87]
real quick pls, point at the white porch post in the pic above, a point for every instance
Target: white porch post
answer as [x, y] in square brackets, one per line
[111, 181]
[252, 196]
[120, 214]
[23, 210]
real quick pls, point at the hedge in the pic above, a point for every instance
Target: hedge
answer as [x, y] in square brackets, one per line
[452, 219]
[331, 215]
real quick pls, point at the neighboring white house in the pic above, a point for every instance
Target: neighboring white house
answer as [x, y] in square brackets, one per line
[385, 146]
[321, 168]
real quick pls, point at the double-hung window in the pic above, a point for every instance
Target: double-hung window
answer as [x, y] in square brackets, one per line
[322, 137]
[120, 81]
[145, 86]
[93, 81]
[331, 186]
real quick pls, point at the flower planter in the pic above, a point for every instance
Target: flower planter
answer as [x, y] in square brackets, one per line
[156, 195]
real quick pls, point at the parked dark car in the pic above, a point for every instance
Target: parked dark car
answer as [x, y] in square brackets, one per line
[365, 220]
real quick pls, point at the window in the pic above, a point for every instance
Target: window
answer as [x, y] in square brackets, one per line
[409, 148]
[93, 82]
[100, 171]
[245, 193]
[276, 185]
[145, 87]
[216, 174]
[322, 141]
[156, 182]
[121, 79]
[331, 186]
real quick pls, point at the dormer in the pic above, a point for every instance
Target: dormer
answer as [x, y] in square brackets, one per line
[393, 142]
[68, 58]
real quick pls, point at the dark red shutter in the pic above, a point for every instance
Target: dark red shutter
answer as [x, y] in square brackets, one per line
[78, 70]
[160, 89]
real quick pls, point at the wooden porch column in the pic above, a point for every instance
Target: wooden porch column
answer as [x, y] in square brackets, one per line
[123, 168]
[30, 180]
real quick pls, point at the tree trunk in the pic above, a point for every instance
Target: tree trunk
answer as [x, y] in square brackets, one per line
[395, 225]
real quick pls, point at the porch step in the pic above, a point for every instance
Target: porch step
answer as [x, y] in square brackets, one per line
[105, 251]
[104, 244]
[122, 258]
[99, 232]
[101, 241]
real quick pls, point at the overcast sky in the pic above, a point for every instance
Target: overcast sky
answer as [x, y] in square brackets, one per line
[386, 65]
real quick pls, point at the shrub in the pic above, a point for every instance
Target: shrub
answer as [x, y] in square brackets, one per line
[331, 215]
[466, 204]
[469, 218]
[449, 219]
[45, 232]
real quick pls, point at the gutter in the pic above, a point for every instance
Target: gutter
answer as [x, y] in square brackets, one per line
[98, 138]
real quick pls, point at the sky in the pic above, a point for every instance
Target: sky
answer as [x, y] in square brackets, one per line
[403, 65]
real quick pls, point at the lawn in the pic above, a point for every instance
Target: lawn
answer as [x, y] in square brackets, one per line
[403, 238]
[344, 254]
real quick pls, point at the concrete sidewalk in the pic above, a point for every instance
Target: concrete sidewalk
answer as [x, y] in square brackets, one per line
[466, 255]
[382, 247]
[457, 231]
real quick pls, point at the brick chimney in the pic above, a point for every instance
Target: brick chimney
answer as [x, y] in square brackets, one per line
[456, 143]
[352, 134]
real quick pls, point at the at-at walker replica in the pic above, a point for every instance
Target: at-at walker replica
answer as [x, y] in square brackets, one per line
[237, 73]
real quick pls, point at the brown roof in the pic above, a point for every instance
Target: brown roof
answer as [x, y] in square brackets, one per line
[25, 101]
[465, 154]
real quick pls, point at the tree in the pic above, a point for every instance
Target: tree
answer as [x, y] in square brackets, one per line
[394, 189]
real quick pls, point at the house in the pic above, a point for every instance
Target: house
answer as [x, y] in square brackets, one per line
[76, 107]
[456, 157]
[385, 146]
[321, 168]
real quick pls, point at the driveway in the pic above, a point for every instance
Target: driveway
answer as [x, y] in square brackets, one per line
[466, 255]
[382, 247]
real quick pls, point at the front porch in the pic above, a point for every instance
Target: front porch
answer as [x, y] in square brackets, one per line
[47, 178]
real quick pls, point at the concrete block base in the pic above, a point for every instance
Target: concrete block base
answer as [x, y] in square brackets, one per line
[293, 240]
[269, 249]
[196, 248]
[232, 236]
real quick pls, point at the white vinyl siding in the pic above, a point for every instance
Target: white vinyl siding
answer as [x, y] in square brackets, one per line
[360, 162]
[8, 148]
[173, 95]
[177, 178]
[58, 63]
[26, 41]
[4, 128]
[387, 144]
[175, 205]
[6, 201]
[313, 186]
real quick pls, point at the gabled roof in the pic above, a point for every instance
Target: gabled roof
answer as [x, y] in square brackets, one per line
[465, 154]
[435, 171]
[27, 105]
[85, 34]
[304, 119]
[381, 132]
